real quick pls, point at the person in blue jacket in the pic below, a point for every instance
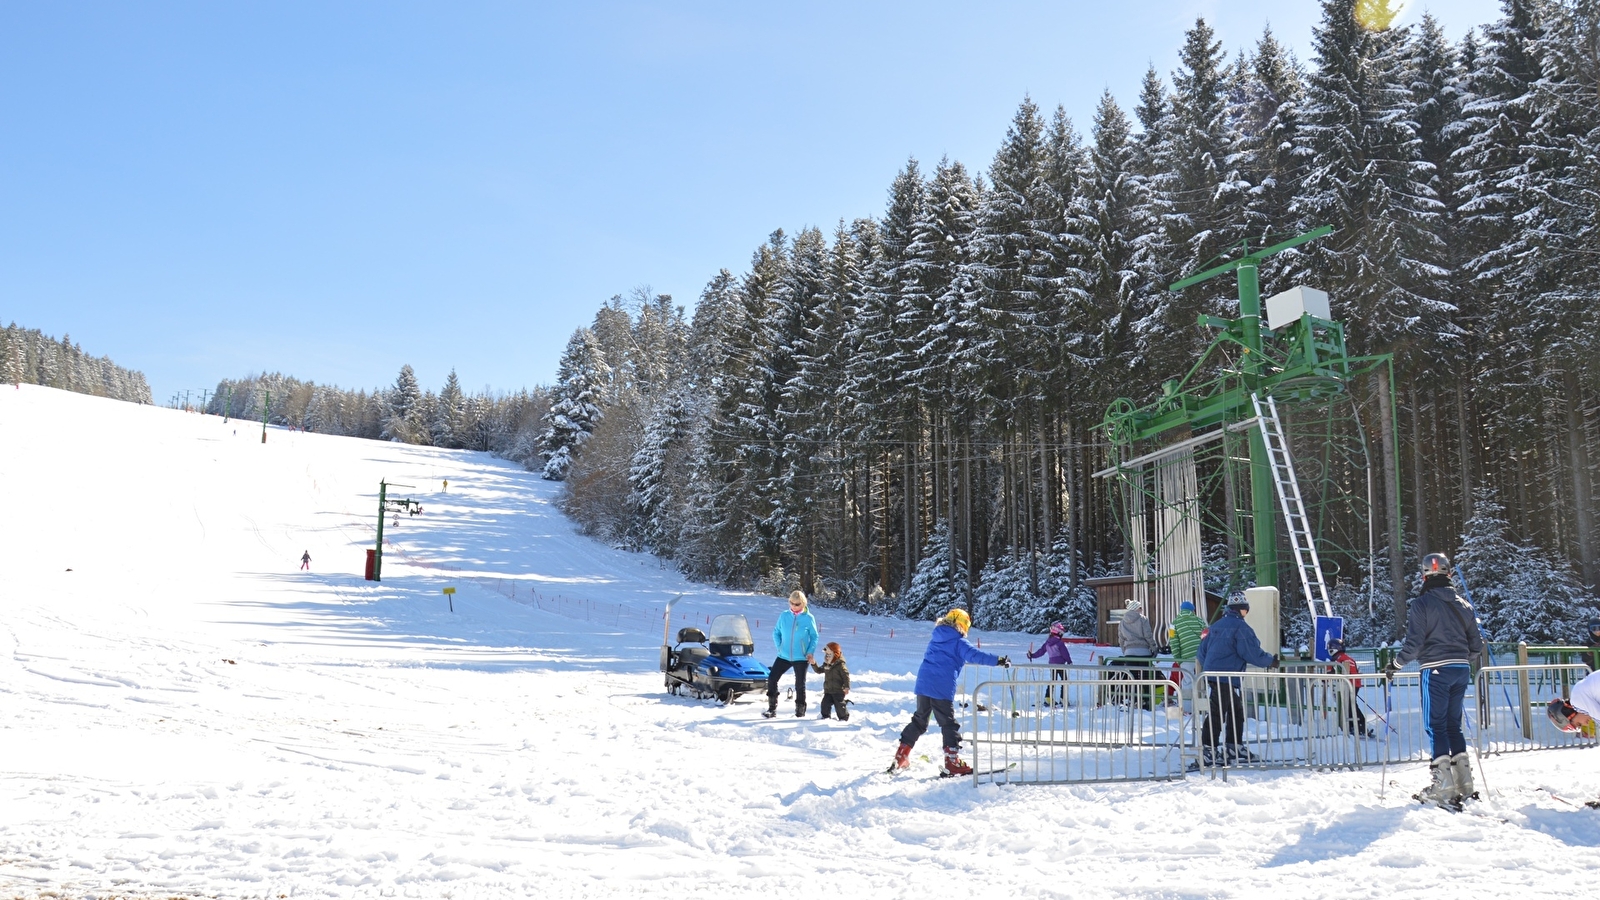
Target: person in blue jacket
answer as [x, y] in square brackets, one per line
[1230, 645]
[795, 636]
[948, 651]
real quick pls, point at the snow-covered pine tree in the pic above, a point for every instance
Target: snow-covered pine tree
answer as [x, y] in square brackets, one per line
[401, 402]
[1519, 593]
[445, 426]
[932, 591]
[575, 410]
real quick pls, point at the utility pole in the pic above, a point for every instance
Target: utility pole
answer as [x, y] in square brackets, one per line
[227, 408]
[203, 395]
[383, 498]
[265, 409]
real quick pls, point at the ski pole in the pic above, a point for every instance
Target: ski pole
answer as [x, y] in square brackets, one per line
[1383, 776]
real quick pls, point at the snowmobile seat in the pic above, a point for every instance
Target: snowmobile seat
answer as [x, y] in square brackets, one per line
[691, 635]
[688, 656]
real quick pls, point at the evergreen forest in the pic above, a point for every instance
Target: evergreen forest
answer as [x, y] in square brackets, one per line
[29, 356]
[900, 412]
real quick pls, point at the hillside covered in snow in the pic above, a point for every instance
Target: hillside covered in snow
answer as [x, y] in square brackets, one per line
[184, 712]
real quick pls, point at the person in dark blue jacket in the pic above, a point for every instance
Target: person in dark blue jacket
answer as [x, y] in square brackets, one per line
[795, 637]
[1229, 646]
[1442, 635]
[948, 651]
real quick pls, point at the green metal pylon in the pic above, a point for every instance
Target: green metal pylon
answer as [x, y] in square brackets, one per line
[1247, 267]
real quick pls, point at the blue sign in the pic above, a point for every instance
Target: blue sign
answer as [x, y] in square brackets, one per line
[1327, 628]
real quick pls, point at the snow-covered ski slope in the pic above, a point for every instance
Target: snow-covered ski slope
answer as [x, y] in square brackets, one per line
[183, 713]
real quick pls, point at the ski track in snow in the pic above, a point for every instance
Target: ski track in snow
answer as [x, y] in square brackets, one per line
[186, 714]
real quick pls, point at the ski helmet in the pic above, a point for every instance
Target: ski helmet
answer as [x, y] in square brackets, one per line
[1335, 645]
[958, 619]
[1058, 629]
[1561, 713]
[1435, 564]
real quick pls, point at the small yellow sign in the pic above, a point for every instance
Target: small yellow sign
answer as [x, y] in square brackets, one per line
[449, 590]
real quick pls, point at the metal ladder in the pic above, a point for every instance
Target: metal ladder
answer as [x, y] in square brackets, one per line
[1294, 508]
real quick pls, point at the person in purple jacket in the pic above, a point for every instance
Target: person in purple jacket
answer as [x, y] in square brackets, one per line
[1059, 655]
[948, 651]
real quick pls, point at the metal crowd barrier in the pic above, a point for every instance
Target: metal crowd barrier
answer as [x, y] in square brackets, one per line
[1511, 703]
[1077, 730]
[1291, 719]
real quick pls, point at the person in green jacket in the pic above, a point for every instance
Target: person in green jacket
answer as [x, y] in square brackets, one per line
[1183, 636]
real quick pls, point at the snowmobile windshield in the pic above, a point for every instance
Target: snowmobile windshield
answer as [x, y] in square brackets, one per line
[730, 629]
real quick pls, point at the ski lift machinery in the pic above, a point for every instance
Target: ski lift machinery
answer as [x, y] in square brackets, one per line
[1260, 446]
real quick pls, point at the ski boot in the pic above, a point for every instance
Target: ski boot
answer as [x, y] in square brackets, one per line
[799, 710]
[902, 759]
[1461, 771]
[953, 765]
[1442, 791]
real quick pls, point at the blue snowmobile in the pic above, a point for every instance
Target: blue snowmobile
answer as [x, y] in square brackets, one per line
[720, 665]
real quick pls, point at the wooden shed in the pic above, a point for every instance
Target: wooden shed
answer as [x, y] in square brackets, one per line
[1112, 594]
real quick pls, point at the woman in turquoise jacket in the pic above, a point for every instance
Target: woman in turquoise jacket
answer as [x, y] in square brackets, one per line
[795, 636]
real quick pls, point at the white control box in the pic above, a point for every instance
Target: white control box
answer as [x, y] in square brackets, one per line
[1287, 308]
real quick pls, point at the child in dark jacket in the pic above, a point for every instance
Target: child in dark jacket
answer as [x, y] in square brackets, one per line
[835, 681]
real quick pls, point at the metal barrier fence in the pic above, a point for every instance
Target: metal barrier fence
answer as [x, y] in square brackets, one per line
[1076, 724]
[1078, 730]
[1510, 706]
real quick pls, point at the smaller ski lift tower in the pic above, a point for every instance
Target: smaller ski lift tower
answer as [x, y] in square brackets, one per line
[385, 505]
[1211, 457]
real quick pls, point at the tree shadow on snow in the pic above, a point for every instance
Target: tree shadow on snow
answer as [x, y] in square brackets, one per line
[1347, 835]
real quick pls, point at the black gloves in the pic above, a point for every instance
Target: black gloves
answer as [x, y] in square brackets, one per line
[1274, 661]
[1004, 662]
[1391, 669]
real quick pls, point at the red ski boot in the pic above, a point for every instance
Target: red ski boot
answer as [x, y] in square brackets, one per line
[953, 765]
[902, 759]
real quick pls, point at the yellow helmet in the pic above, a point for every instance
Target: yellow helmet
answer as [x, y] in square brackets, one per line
[958, 619]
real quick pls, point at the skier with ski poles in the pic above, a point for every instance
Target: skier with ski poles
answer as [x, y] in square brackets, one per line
[948, 651]
[1058, 655]
[1353, 719]
[1442, 637]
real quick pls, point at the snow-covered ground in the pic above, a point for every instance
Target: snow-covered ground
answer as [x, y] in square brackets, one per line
[185, 713]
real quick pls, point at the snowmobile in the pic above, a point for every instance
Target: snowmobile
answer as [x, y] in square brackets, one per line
[719, 666]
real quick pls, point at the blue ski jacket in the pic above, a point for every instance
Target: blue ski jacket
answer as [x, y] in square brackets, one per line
[795, 636]
[941, 665]
[1231, 645]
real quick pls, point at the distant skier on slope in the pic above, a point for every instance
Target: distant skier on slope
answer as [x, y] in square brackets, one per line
[948, 651]
[305, 561]
[795, 637]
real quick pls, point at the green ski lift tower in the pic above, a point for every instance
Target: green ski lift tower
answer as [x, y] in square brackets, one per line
[1258, 449]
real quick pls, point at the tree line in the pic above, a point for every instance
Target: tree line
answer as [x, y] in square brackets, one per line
[29, 356]
[508, 425]
[901, 412]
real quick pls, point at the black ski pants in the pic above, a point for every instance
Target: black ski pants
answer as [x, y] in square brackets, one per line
[834, 703]
[1225, 718]
[942, 710]
[780, 666]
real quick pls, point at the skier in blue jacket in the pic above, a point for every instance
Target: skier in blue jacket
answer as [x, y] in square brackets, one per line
[948, 651]
[795, 636]
[1229, 646]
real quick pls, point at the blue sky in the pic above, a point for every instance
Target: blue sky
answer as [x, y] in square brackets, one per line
[202, 190]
